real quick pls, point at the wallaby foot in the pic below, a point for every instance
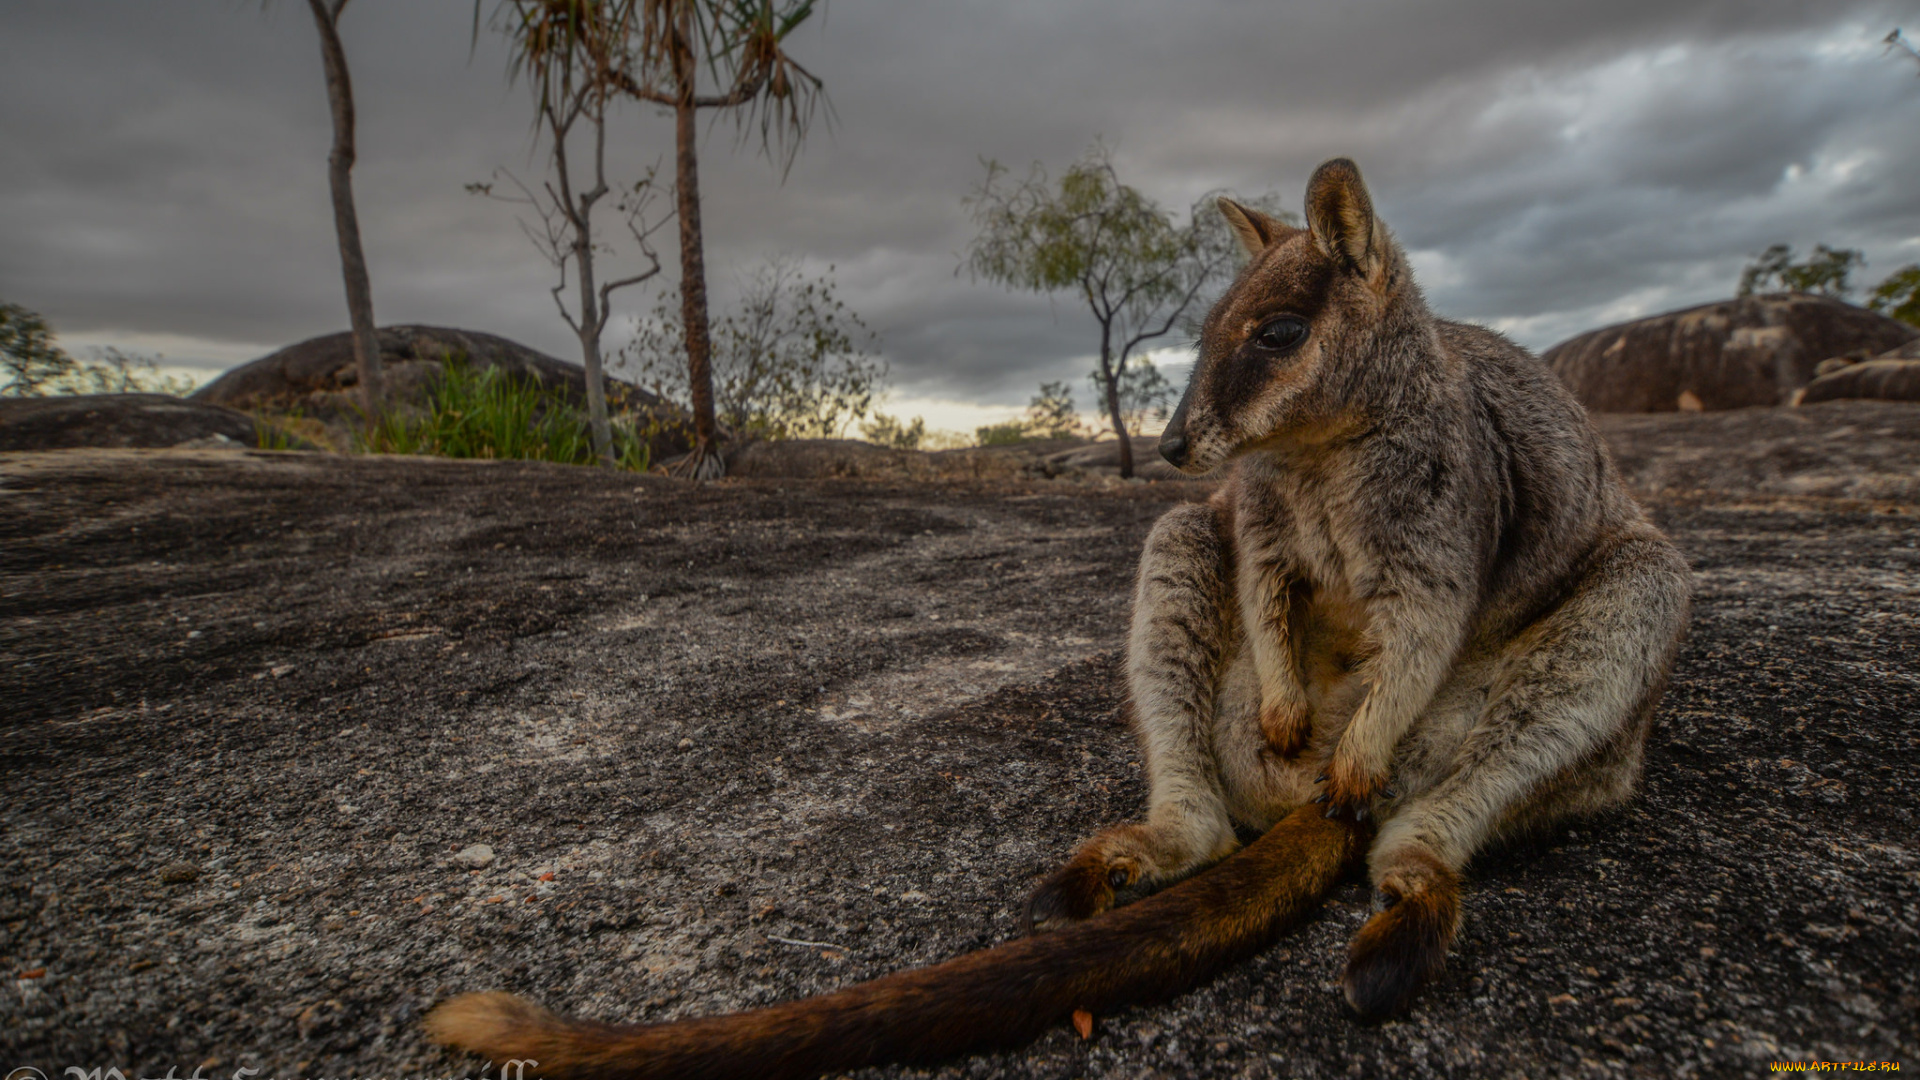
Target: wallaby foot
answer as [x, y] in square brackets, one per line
[1086, 885]
[1106, 866]
[1404, 945]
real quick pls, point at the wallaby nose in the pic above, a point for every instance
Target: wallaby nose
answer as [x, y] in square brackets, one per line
[1173, 447]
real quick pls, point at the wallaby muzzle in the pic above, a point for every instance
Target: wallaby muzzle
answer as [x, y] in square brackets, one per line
[1173, 441]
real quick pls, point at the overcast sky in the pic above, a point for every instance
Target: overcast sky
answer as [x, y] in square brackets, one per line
[1552, 166]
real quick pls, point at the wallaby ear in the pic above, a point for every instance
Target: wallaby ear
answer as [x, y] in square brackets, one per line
[1255, 230]
[1340, 214]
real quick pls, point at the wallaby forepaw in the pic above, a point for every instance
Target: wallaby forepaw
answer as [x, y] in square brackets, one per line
[1404, 945]
[1348, 790]
[1286, 727]
[1081, 889]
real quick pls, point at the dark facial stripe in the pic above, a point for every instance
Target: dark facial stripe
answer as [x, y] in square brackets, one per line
[1236, 379]
[1293, 278]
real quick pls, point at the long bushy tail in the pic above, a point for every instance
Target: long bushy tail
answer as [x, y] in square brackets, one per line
[999, 998]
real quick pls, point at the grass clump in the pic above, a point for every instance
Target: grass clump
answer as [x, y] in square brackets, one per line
[486, 413]
[1007, 434]
[270, 432]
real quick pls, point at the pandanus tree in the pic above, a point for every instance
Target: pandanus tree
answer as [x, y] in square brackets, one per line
[726, 55]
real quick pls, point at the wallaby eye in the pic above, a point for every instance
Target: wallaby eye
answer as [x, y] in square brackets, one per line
[1280, 334]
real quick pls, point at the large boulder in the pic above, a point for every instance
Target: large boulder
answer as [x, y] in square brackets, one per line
[318, 376]
[1753, 350]
[119, 420]
[1894, 375]
[1887, 379]
[311, 389]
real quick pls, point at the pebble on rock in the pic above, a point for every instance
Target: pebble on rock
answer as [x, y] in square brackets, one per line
[179, 873]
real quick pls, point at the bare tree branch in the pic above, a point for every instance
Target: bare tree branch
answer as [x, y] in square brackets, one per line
[560, 302]
[574, 56]
[1898, 40]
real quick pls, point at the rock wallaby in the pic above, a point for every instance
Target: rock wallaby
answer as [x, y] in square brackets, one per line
[1420, 616]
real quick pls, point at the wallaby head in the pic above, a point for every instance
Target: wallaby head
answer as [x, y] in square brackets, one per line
[1282, 342]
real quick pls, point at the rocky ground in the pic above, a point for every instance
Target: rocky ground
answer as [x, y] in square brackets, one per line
[1863, 450]
[118, 421]
[297, 746]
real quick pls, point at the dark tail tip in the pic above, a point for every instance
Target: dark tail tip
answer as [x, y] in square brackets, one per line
[1402, 948]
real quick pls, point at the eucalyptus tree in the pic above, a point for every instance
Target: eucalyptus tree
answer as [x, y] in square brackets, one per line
[1899, 295]
[31, 365]
[1140, 272]
[1825, 273]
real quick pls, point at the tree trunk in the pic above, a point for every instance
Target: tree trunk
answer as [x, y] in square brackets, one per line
[590, 323]
[705, 462]
[346, 223]
[1113, 404]
[592, 319]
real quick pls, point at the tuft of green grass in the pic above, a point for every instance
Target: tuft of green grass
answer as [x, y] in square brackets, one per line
[268, 434]
[1007, 434]
[486, 413]
[630, 448]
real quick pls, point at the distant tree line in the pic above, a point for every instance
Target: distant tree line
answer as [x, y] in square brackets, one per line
[31, 365]
[1828, 272]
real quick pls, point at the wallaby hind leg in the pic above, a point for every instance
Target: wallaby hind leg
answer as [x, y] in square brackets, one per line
[1561, 735]
[1184, 621]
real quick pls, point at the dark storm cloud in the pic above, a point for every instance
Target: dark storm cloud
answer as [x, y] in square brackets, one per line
[1552, 165]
